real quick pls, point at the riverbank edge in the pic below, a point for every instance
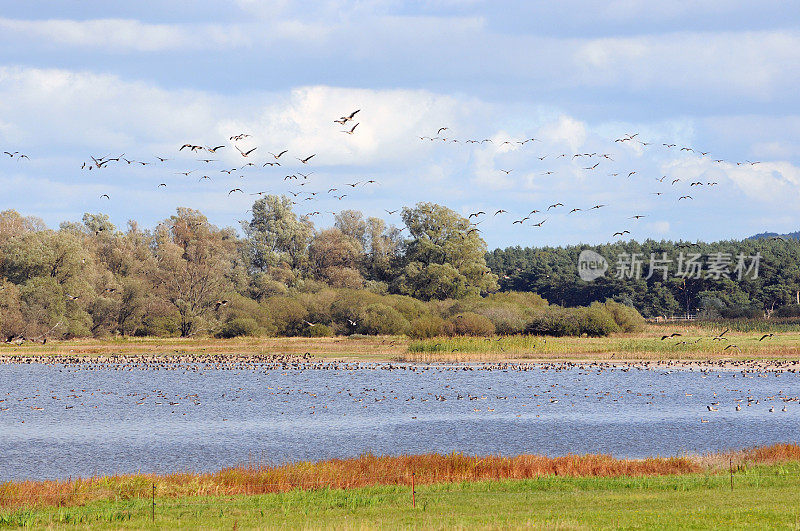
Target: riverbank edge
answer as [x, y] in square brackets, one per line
[371, 470]
[387, 349]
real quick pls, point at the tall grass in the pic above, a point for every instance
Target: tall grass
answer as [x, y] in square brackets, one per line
[693, 343]
[763, 326]
[366, 470]
[363, 471]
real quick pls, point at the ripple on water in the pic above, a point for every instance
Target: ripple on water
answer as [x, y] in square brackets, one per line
[59, 421]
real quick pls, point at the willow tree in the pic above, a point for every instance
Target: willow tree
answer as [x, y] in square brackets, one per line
[444, 256]
[193, 261]
[276, 237]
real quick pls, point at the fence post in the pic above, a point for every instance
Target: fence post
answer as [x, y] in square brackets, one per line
[413, 492]
[153, 508]
[731, 468]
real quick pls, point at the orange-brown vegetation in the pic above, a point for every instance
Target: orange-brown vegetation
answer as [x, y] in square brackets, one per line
[367, 470]
[777, 453]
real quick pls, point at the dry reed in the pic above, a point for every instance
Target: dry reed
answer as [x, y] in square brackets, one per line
[363, 471]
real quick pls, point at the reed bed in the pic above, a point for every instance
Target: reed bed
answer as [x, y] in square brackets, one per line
[689, 345]
[366, 470]
[694, 343]
[762, 326]
[759, 455]
[776, 453]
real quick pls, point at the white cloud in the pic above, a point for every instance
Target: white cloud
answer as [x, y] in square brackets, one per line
[566, 130]
[660, 227]
[756, 64]
[61, 117]
[774, 182]
[767, 181]
[111, 34]
[762, 65]
[127, 35]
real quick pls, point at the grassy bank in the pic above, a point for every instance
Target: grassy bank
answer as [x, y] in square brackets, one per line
[351, 347]
[569, 492]
[695, 342]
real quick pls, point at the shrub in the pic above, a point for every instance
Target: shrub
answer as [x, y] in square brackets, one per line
[463, 306]
[238, 306]
[318, 305]
[443, 308]
[519, 298]
[409, 307]
[376, 286]
[348, 306]
[11, 321]
[319, 330]
[739, 312]
[263, 285]
[380, 319]
[104, 312]
[628, 319]
[790, 310]
[343, 277]
[288, 315]
[240, 326]
[426, 327]
[470, 324]
[598, 321]
[555, 321]
[506, 318]
[159, 326]
[310, 285]
[594, 321]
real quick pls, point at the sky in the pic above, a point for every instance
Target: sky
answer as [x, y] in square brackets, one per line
[82, 79]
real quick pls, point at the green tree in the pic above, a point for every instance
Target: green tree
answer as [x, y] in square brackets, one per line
[275, 235]
[351, 223]
[335, 258]
[193, 261]
[382, 245]
[97, 223]
[445, 256]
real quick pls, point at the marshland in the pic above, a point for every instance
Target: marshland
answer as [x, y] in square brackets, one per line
[76, 409]
[751, 488]
[329, 431]
[351, 264]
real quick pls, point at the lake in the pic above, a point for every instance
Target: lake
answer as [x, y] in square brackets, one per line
[69, 420]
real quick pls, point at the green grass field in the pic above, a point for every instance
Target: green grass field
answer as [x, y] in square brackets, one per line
[764, 497]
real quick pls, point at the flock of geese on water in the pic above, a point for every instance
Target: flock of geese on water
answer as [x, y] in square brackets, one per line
[298, 180]
[541, 394]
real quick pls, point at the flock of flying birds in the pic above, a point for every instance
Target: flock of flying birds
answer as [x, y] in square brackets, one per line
[301, 184]
[593, 162]
[247, 154]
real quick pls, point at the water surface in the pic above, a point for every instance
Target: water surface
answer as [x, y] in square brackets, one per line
[60, 421]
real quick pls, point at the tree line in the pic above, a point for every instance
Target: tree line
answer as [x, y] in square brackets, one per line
[282, 276]
[712, 287]
[187, 276]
